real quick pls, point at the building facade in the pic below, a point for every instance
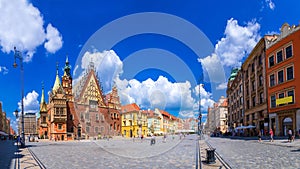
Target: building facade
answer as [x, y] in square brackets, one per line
[4, 123]
[217, 117]
[154, 122]
[235, 95]
[283, 81]
[134, 121]
[30, 125]
[255, 91]
[98, 114]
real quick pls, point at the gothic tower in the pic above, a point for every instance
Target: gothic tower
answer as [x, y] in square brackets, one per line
[42, 121]
[67, 81]
[57, 124]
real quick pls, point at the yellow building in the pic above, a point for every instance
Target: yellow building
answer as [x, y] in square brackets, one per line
[134, 121]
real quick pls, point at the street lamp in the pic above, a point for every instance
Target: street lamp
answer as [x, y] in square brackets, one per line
[18, 55]
[200, 113]
[16, 113]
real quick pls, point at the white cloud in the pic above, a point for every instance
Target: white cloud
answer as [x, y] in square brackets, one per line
[213, 67]
[31, 103]
[270, 4]
[3, 70]
[54, 39]
[161, 93]
[222, 86]
[22, 26]
[229, 52]
[188, 114]
[107, 64]
[206, 98]
[237, 43]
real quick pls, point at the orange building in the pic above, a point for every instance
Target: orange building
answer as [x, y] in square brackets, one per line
[283, 81]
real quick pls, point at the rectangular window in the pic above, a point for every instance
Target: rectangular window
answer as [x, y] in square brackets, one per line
[81, 116]
[93, 105]
[59, 126]
[280, 76]
[252, 69]
[290, 73]
[288, 52]
[261, 80]
[291, 93]
[97, 117]
[261, 97]
[272, 80]
[57, 111]
[87, 116]
[253, 101]
[279, 56]
[87, 129]
[273, 101]
[253, 85]
[259, 60]
[271, 61]
[281, 95]
[248, 104]
[96, 129]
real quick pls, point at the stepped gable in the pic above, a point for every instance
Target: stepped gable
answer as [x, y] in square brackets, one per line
[89, 88]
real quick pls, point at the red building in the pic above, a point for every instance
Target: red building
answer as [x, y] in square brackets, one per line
[283, 81]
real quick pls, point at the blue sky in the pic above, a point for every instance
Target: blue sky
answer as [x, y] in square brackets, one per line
[155, 65]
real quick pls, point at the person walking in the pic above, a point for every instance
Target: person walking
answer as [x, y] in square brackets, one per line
[271, 135]
[290, 135]
[259, 136]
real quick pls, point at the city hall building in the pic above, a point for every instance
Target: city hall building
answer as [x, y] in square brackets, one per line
[79, 112]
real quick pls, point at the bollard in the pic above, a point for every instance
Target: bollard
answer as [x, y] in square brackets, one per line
[210, 155]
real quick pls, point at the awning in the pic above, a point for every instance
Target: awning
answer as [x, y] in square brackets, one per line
[3, 133]
[250, 127]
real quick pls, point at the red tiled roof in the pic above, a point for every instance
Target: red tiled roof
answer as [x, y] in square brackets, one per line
[130, 108]
[71, 108]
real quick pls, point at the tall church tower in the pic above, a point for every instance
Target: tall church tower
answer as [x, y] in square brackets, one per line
[57, 124]
[42, 121]
[67, 81]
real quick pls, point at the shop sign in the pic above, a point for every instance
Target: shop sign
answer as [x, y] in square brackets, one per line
[284, 100]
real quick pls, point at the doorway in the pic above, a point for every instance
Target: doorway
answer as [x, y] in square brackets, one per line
[287, 125]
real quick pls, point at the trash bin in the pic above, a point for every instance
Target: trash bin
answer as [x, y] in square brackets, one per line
[210, 155]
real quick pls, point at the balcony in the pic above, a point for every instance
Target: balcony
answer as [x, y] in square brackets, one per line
[59, 118]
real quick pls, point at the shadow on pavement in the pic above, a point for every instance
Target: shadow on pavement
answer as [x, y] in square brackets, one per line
[295, 150]
[7, 153]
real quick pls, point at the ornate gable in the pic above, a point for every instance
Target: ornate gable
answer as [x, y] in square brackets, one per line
[90, 90]
[113, 99]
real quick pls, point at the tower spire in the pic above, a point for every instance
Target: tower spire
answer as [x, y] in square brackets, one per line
[67, 67]
[57, 80]
[43, 105]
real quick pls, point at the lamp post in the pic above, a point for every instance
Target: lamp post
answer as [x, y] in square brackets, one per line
[16, 113]
[18, 55]
[200, 113]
